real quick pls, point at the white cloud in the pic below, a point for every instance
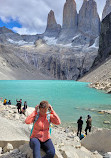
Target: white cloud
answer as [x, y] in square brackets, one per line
[5, 19]
[23, 30]
[32, 14]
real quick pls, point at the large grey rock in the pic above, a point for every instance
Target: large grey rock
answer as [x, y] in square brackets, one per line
[13, 132]
[107, 9]
[52, 28]
[28, 151]
[99, 140]
[7, 148]
[0, 150]
[88, 18]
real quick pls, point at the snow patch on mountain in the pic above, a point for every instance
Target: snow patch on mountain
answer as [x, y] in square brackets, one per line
[50, 40]
[96, 43]
[53, 41]
[76, 36]
[21, 42]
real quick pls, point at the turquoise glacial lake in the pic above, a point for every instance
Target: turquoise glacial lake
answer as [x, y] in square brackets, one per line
[69, 99]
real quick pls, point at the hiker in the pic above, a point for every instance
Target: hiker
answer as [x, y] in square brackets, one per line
[40, 136]
[25, 105]
[88, 124]
[24, 108]
[5, 101]
[19, 103]
[80, 123]
[9, 102]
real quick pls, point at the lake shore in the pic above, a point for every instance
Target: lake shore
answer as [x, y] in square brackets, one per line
[105, 86]
[14, 131]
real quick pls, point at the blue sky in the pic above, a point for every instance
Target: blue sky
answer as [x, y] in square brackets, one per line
[30, 16]
[10, 24]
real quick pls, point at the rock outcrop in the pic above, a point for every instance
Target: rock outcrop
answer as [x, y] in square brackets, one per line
[80, 29]
[106, 86]
[99, 140]
[88, 19]
[52, 29]
[69, 26]
[107, 9]
[70, 15]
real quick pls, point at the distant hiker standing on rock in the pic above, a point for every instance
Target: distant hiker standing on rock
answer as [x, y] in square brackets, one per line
[40, 135]
[80, 123]
[24, 108]
[88, 124]
[19, 103]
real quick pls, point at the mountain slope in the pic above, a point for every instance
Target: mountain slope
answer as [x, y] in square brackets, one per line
[12, 67]
[102, 73]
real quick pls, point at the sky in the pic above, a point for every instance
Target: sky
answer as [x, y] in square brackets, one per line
[30, 16]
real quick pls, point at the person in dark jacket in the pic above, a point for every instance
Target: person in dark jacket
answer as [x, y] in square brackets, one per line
[80, 123]
[24, 108]
[88, 124]
[19, 103]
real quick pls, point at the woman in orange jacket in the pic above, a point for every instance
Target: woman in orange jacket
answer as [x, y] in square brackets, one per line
[40, 136]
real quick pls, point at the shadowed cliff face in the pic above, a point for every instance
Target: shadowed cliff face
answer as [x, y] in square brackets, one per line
[104, 40]
[107, 9]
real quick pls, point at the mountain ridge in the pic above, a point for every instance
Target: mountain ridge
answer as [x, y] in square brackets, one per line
[59, 52]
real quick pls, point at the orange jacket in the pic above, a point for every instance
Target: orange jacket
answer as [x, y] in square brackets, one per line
[5, 100]
[41, 126]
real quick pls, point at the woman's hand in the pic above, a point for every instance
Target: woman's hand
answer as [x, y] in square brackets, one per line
[50, 108]
[36, 107]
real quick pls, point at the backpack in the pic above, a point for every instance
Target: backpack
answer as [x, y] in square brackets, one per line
[48, 118]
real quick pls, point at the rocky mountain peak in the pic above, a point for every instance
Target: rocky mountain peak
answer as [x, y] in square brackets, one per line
[52, 28]
[70, 15]
[51, 22]
[107, 9]
[88, 19]
[5, 30]
[69, 26]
